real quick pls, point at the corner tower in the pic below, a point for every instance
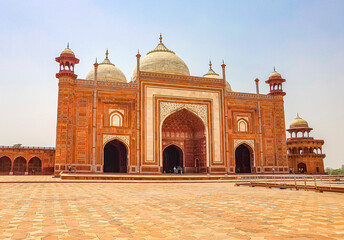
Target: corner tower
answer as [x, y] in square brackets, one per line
[304, 152]
[65, 109]
[275, 82]
[67, 61]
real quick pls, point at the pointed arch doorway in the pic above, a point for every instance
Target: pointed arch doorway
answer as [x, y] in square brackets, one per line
[243, 159]
[115, 157]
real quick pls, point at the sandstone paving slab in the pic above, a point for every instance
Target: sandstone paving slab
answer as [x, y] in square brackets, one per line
[165, 211]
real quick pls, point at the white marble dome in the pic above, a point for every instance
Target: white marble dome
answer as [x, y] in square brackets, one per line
[107, 71]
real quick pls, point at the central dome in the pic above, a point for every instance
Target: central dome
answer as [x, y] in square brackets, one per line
[162, 60]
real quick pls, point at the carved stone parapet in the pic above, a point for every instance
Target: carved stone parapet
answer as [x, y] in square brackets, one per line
[191, 79]
[248, 95]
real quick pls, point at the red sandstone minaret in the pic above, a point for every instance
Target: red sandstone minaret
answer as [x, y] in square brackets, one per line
[65, 109]
[275, 81]
[67, 61]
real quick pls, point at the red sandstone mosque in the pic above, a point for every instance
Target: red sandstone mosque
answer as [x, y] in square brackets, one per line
[165, 119]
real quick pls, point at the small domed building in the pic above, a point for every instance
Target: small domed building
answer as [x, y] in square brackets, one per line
[304, 152]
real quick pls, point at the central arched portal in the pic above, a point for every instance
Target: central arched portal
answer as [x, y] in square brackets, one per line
[242, 159]
[115, 157]
[187, 131]
[172, 158]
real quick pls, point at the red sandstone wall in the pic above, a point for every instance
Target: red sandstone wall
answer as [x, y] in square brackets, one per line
[273, 141]
[74, 134]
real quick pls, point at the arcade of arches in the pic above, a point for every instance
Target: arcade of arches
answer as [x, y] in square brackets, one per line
[26, 160]
[187, 131]
[20, 165]
[115, 157]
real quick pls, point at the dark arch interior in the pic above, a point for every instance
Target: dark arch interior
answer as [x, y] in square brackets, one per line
[172, 157]
[115, 157]
[302, 167]
[19, 165]
[242, 159]
[5, 164]
[35, 165]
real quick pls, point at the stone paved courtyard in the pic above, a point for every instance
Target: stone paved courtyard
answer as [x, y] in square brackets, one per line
[94, 210]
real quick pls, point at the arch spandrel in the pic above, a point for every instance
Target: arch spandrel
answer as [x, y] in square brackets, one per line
[123, 138]
[168, 108]
[249, 142]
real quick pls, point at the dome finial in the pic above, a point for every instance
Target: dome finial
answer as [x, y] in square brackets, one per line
[298, 115]
[160, 38]
[210, 64]
[68, 45]
[107, 54]
[274, 69]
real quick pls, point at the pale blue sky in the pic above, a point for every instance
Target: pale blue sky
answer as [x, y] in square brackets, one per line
[303, 39]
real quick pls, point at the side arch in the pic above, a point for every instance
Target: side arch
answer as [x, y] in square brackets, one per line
[123, 139]
[5, 165]
[19, 165]
[35, 165]
[244, 156]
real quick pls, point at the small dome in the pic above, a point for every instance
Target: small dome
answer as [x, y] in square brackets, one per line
[211, 73]
[299, 123]
[275, 74]
[228, 87]
[162, 60]
[67, 50]
[107, 72]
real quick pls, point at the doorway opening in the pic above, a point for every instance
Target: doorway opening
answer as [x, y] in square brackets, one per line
[243, 159]
[172, 159]
[115, 157]
[302, 168]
